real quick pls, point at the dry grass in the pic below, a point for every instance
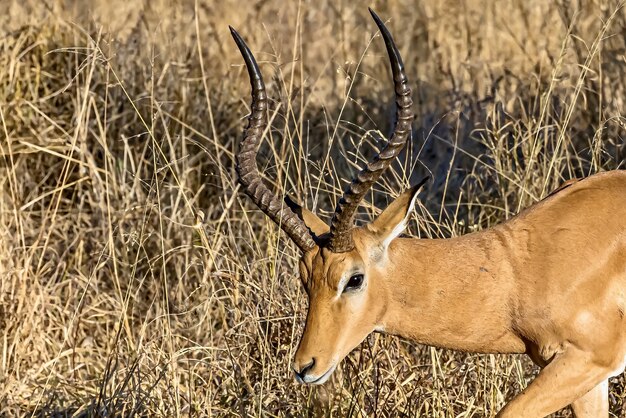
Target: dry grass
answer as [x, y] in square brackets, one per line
[134, 278]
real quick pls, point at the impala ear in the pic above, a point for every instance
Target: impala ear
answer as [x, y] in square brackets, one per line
[311, 220]
[393, 220]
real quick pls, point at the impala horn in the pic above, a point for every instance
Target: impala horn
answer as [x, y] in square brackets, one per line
[247, 169]
[343, 218]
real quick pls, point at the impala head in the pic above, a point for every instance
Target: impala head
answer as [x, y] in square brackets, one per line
[342, 267]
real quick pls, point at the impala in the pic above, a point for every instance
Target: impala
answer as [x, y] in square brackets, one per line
[549, 282]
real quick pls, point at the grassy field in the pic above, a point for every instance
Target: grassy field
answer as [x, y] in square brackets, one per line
[135, 278]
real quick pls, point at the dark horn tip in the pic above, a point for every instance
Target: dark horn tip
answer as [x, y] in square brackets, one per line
[238, 39]
[375, 16]
[392, 49]
[253, 67]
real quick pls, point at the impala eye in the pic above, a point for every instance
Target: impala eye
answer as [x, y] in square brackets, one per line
[354, 283]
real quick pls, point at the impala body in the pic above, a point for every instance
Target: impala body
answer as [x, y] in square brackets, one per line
[550, 282]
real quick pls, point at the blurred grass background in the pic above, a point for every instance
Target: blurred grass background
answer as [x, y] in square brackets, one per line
[136, 281]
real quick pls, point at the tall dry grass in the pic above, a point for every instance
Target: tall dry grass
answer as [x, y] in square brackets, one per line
[136, 280]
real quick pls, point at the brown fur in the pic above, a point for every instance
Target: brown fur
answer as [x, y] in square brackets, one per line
[549, 282]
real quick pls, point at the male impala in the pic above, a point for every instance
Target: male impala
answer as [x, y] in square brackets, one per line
[550, 282]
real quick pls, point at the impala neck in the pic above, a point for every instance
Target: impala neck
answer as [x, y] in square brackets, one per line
[453, 293]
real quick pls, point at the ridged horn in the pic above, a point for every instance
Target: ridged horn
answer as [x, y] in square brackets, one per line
[343, 218]
[247, 170]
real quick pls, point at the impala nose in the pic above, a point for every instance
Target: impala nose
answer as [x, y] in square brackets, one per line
[300, 374]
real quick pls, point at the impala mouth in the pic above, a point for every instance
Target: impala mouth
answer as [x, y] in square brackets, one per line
[312, 380]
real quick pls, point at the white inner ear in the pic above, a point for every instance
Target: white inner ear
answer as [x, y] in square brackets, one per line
[400, 227]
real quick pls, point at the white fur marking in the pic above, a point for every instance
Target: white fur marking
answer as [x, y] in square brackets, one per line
[605, 387]
[323, 378]
[344, 281]
[619, 370]
[402, 225]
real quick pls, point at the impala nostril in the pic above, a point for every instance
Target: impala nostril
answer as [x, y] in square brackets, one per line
[307, 367]
[304, 369]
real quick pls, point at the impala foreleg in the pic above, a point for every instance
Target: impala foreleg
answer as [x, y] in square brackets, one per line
[566, 380]
[594, 404]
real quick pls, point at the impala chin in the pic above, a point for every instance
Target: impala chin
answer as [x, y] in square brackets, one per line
[311, 379]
